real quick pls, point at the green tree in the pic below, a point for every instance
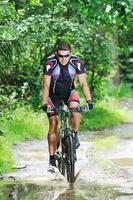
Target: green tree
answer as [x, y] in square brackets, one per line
[30, 29]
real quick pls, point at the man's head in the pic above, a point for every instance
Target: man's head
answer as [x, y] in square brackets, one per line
[63, 51]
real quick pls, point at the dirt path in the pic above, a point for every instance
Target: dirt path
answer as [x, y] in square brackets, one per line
[110, 167]
[104, 171]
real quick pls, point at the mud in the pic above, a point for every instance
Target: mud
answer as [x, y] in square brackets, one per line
[101, 173]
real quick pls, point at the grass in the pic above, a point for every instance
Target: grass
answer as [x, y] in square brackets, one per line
[24, 124]
[19, 125]
[100, 117]
[122, 90]
[6, 160]
[125, 90]
[106, 114]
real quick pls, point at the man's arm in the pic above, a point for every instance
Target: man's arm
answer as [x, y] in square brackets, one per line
[84, 86]
[45, 91]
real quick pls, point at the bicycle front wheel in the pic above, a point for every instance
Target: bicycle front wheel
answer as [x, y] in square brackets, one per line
[70, 165]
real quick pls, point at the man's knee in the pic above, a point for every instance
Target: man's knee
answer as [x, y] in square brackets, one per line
[73, 104]
[53, 120]
[53, 123]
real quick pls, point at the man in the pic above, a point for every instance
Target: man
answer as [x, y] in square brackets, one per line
[60, 70]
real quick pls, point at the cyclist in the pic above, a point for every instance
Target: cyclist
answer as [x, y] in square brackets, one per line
[59, 71]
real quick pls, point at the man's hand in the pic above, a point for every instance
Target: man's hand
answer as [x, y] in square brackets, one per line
[45, 107]
[90, 104]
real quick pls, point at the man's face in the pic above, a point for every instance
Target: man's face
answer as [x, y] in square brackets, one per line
[63, 56]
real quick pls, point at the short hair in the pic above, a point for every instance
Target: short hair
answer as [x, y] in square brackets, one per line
[63, 46]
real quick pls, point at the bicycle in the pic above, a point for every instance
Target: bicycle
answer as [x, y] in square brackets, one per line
[66, 149]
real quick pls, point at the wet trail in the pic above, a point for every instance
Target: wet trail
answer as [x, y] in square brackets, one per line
[102, 174]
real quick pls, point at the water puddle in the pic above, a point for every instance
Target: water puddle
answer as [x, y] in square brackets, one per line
[37, 192]
[71, 194]
[103, 192]
[26, 191]
[54, 192]
[123, 162]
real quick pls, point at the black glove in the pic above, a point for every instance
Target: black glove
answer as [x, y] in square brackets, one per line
[45, 107]
[90, 104]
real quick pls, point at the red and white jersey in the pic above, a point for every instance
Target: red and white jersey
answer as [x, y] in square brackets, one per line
[62, 77]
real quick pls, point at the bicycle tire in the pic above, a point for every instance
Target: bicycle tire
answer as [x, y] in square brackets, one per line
[70, 157]
[62, 167]
[63, 158]
[61, 162]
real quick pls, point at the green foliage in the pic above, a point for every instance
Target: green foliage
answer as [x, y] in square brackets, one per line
[29, 31]
[102, 116]
[126, 60]
[123, 90]
[22, 124]
[6, 160]
[10, 37]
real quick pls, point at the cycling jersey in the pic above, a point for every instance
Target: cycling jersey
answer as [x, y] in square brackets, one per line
[62, 77]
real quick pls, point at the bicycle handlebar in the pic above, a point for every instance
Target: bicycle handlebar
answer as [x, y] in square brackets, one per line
[68, 110]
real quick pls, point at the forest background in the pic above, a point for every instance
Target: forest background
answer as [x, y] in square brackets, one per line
[100, 33]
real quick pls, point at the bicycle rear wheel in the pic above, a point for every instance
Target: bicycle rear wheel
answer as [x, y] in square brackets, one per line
[70, 164]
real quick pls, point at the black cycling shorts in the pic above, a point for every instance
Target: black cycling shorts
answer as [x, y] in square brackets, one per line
[55, 100]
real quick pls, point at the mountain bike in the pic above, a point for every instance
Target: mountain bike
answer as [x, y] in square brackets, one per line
[66, 149]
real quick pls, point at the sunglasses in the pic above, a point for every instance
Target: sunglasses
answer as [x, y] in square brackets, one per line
[63, 56]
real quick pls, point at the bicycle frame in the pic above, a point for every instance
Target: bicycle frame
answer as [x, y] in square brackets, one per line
[66, 150]
[64, 120]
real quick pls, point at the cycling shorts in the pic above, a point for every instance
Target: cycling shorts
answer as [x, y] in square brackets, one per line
[55, 100]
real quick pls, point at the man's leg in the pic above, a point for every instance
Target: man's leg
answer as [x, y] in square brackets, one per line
[73, 102]
[52, 138]
[75, 117]
[75, 121]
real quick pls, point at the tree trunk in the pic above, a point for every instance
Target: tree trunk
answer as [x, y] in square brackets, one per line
[16, 4]
[114, 46]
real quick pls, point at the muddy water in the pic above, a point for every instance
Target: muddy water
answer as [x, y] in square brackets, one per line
[35, 192]
[97, 179]
[45, 192]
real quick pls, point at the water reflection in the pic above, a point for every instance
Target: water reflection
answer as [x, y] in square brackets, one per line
[30, 192]
[97, 192]
[35, 192]
[38, 192]
[103, 192]
[70, 194]
[76, 192]
[13, 192]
